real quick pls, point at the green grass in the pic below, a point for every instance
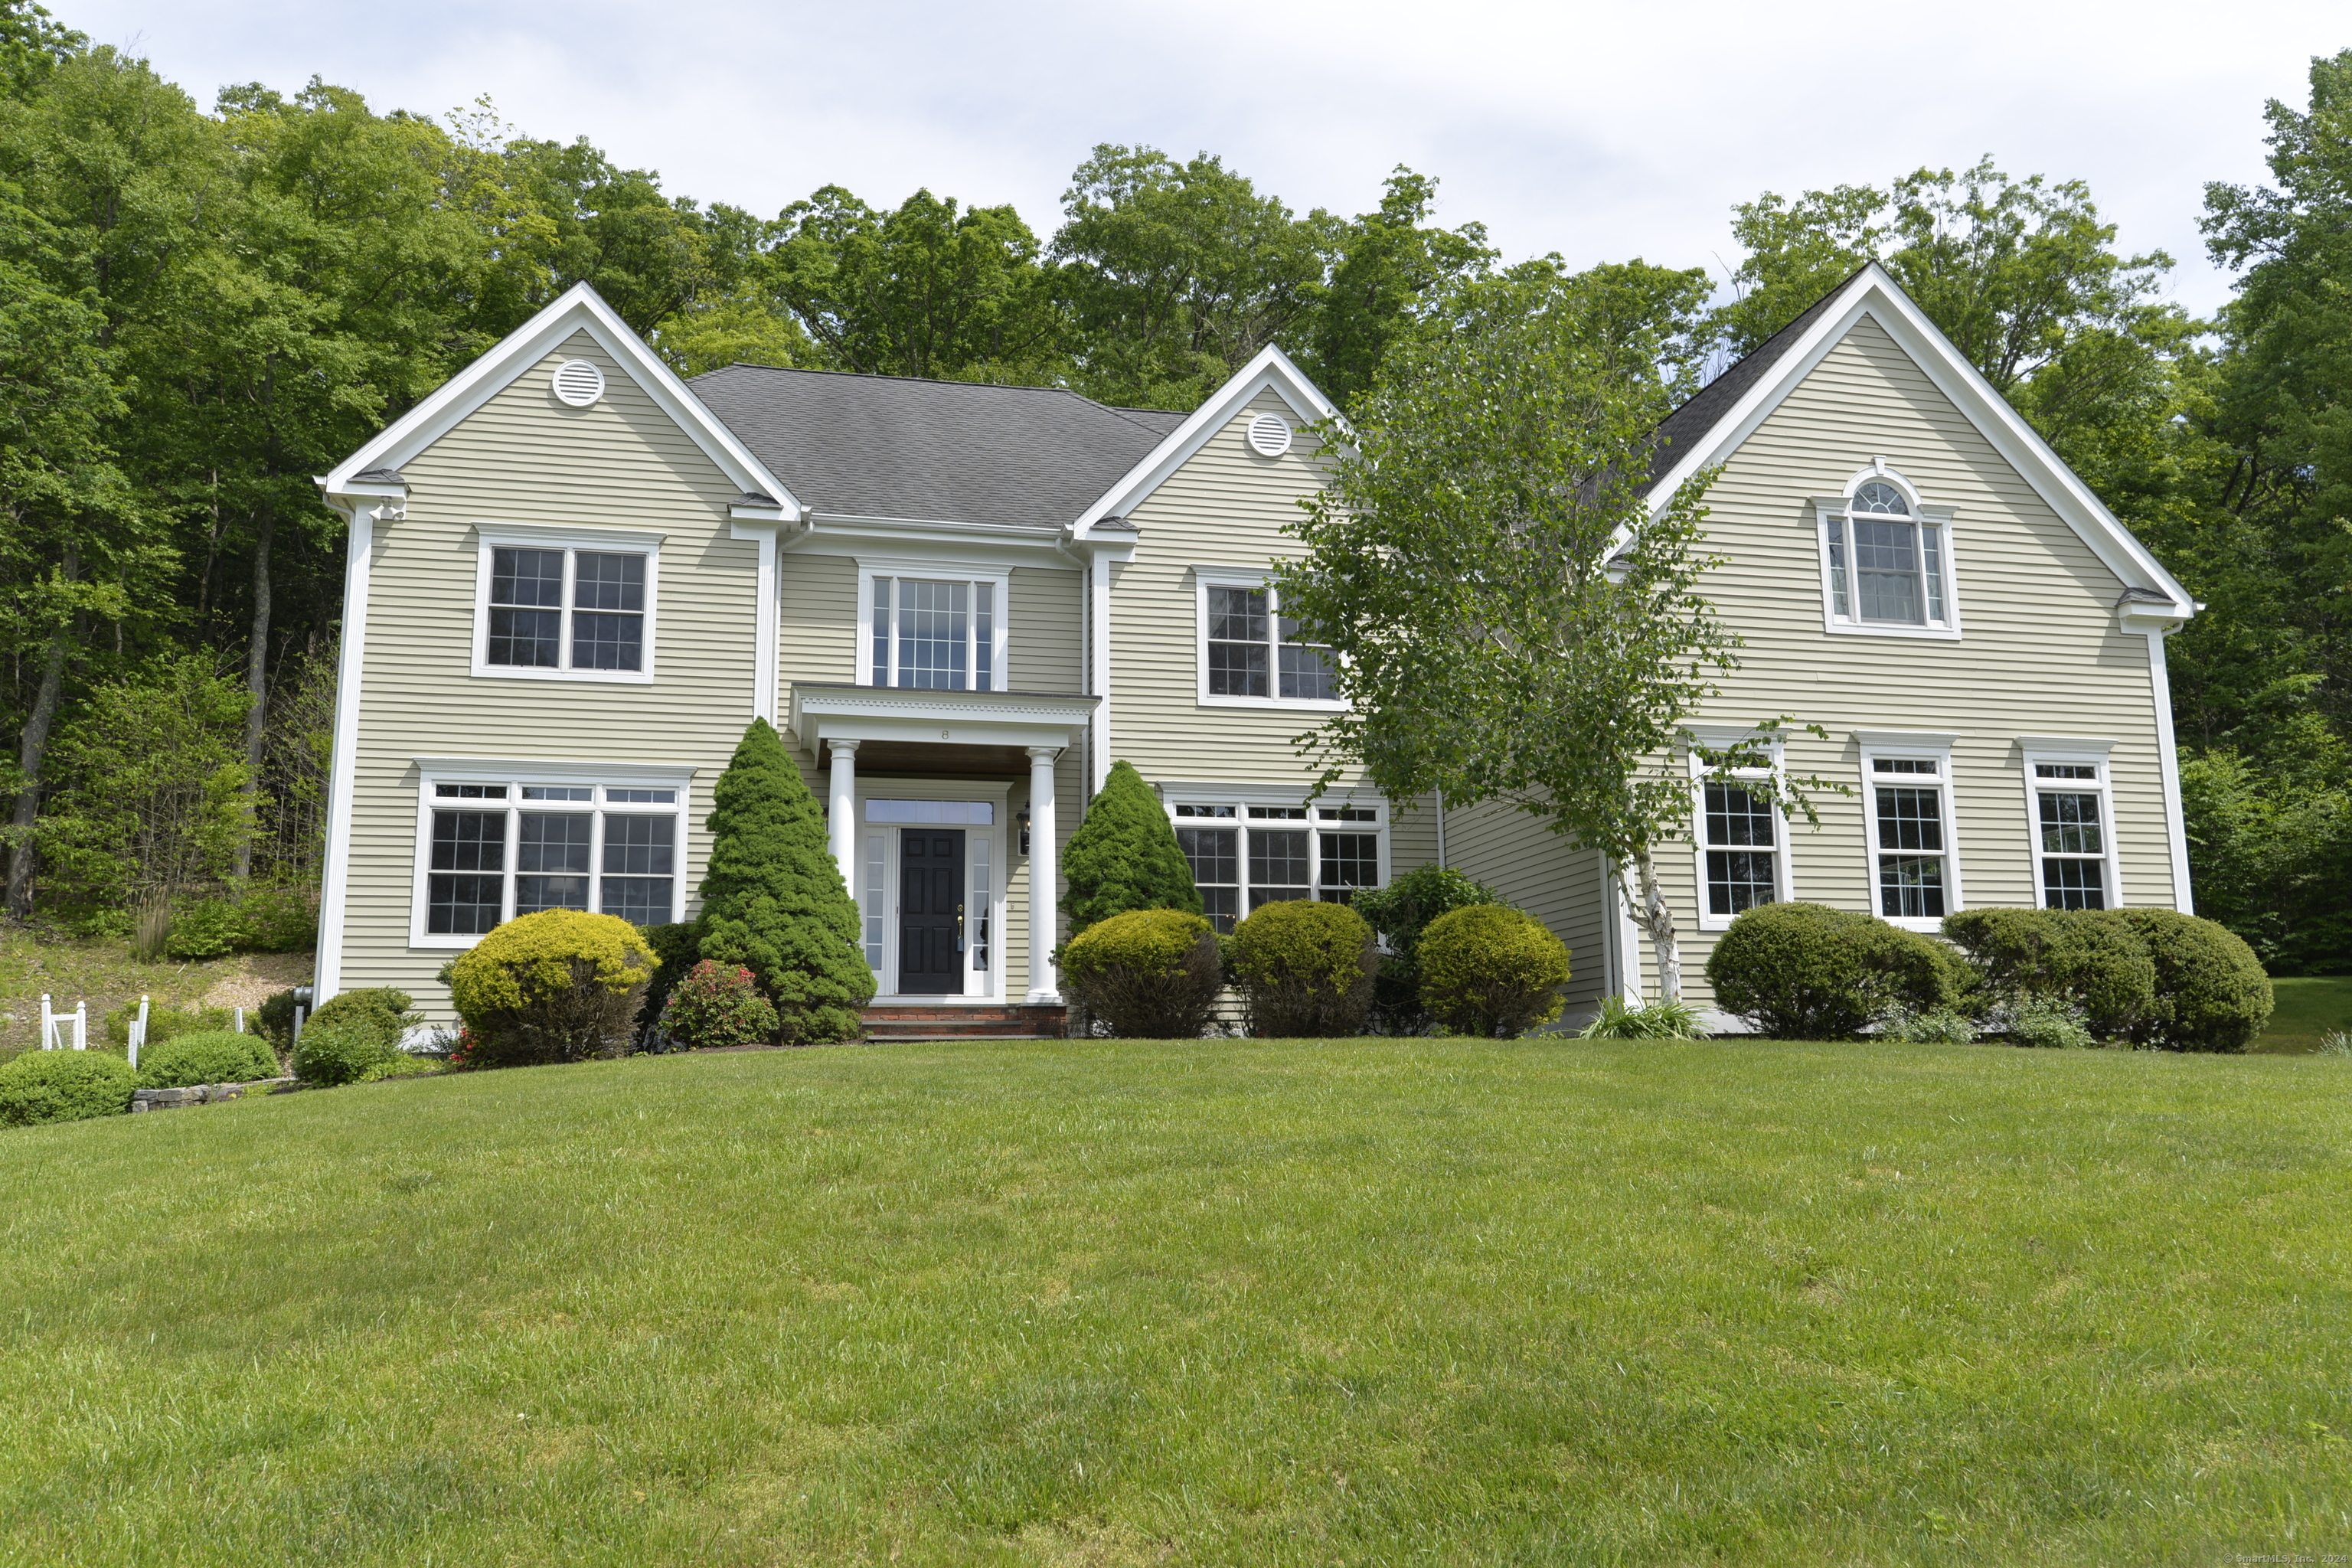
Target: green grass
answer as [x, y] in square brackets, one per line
[2307, 1010]
[1260, 1302]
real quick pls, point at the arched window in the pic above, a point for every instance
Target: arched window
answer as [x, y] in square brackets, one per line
[1886, 558]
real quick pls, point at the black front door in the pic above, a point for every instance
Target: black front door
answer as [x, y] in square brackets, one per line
[931, 911]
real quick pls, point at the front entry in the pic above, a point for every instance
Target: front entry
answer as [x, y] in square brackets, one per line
[931, 911]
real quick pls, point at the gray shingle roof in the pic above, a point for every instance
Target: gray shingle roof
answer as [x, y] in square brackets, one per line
[1688, 425]
[947, 451]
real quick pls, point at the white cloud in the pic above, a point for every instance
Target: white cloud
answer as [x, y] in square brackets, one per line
[1596, 130]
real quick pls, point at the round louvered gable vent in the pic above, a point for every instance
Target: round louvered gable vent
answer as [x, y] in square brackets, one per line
[579, 383]
[1269, 435]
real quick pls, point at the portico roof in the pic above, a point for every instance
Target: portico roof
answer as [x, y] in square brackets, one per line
[824, 712]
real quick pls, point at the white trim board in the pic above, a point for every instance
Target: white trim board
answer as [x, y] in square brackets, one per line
[580, 309]
[1875, 294]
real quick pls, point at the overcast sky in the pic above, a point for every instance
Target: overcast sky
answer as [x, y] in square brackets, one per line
[1600, 132]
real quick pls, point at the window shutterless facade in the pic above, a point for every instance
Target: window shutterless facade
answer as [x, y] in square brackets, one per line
[933, 629]
[2070, 814]
[1250, 653]
[1907, 793]
[1245, 853]
[488, 851]
[1887, 560]
[565, 604]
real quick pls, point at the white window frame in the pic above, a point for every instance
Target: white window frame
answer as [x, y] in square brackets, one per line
[988, 847]
[489, 537]
[1721, 740]
[2077, 751]
[1892, 746]
[514, 775]
[1207, 577]
[972, 573]
[1927, 515]
[1239, 799]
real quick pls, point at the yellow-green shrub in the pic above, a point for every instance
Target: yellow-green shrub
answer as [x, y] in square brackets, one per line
[1306, 969]
[1149, 974]
[1491, 970]
[557, 986]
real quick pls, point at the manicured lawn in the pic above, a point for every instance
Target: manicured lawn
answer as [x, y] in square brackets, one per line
[2307, 1010]
[1259, 1302]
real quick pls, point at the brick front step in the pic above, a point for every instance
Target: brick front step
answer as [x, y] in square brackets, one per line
[919, 1022]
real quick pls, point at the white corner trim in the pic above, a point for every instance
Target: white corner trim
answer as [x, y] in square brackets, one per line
[1097, 682]
[334, 892]
[767, 631]
[580, 308]
[1272, 370]
[2167, 758]
[1876, 294]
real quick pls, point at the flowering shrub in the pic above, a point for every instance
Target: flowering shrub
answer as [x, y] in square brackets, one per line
[462, 1050]
[719, 1004]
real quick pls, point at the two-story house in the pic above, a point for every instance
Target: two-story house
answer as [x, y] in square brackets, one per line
[574, 578]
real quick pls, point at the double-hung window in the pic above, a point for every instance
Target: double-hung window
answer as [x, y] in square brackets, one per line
[934, 633]
[1907, 807]
[1886, 561]
[1245, 854]
[565, 604]
[2066, 789]
[1250, 652]
[493, 851]
[1740, 858]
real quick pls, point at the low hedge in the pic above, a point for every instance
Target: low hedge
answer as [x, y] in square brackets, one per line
[2086, 957]
[560, 985]
[64, 1086]
[1807, 972]
[2211, 993]
[220, 1057]
[1149, 974]
[1306, 969]
[1490, 970]
[166, 1022]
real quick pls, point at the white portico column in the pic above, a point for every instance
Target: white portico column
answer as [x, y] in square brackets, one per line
[843, 817]
[1044, 876]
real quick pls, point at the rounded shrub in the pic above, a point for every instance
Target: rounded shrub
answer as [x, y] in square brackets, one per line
[2211, 993]
[1304, 968]
[352, 1048]
[1400, 913]
[384, 1005]
[718, 1004]
[221, 1056]
[64, 1086]
[207, 929]
[1807, 972]
[2086, 957]
[560, 986]
[1491, 970]
[1149, 974]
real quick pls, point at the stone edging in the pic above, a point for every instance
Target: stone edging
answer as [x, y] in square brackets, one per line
[201, 1094]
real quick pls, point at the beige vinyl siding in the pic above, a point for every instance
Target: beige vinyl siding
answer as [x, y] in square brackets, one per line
[817, 620]
[2040, 653]
[1045, 635]
[1537, 870]
[524, 458]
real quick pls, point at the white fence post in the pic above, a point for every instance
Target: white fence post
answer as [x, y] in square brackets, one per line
[240, 1020]
[139, 1032]
[81, 1026]
[48, 1024]
[298, 1026]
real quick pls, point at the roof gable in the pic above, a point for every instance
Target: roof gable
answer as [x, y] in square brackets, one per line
[374, 468]
[1709, 429]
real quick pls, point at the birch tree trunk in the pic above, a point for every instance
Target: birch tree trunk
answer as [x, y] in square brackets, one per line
[1658, 920]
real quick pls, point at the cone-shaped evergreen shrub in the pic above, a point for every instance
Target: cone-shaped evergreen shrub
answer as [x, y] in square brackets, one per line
[1124, 857]
[773, 899]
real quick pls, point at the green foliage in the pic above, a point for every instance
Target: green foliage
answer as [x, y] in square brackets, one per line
[1621, 1020]
[1305, 968]
[209, 928]
[280, 920]
[2049, 1022]
[1124, 857]
[718, 1004]
[64, 1086]
[386, 1007]
[354, 1047]
[1928, 1027]
[220, 1057]
[167, 1022]
[677, 949]
[1148, 974]
[1399, 913]
[1807, 972]
[1491, 970]
[560, 986]
[275, 1019]
[2086, 957]
[2211, 992]
[772, 899]
[1391, 264]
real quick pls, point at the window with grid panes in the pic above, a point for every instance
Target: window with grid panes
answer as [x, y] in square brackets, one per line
[2073, 836]
[1908, 795]
[933, 634]
[1255, 650]
[1742, 848]
[1885, 564]
[1243, 855]
[501, 850]
[534, 594]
